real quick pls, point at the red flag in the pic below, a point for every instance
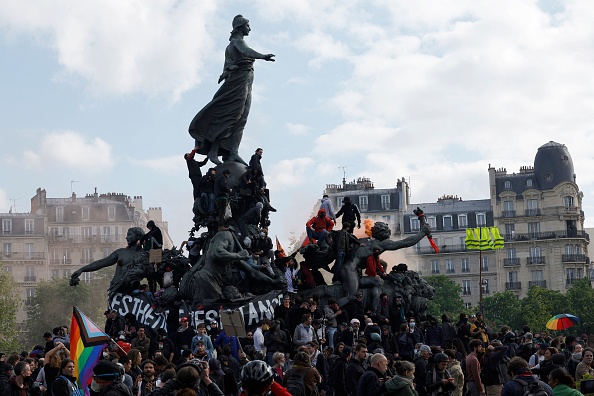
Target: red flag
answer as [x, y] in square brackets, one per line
[280, 248]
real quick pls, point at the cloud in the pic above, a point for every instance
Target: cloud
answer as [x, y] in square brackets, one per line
[290, 172]
[296, 129]
[70, 149]
[172, 164]
[121, 47]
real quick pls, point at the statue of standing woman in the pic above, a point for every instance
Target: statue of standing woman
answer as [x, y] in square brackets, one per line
[218, 127]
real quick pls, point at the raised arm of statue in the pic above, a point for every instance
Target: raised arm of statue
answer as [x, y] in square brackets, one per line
[94, 266]
[389, 244]
[241, 46]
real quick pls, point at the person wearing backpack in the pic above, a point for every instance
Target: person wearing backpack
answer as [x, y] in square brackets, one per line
[491, 375]
[302, 379]
[523, 382]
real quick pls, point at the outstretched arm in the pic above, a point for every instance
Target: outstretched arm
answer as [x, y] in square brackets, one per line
[95, 266]
[246, 51]
[406, 242]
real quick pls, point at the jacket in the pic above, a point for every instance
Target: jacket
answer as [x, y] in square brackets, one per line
[13, 390]
[400, 386]
[350, 212]
[514, 388]
[64, 385]
[455, 370]
[369, 384]
[320, 223]
[327, 206]
[311, 380]
[194, 166]
[373, 266]
[221, 188]
[354, 371]
[564, 390]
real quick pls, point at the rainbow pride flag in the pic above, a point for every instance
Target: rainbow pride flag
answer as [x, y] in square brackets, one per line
[87, 341]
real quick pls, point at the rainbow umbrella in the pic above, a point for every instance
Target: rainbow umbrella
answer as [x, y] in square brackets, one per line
[562, 321]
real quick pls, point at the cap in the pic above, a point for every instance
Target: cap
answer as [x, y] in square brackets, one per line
[355, 320]
[543, 346]
[376, 337]
[6, 367]
[528, 336]
[425, 348]
[184, 319]
[106, 370]
[215, 367]
[344, 324]
[359, 293]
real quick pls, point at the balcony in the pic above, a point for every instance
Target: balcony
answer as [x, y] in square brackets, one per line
[23, 256]
[532, 212]
[508, 213]
[60, 261]
[465, 269]
[466, 292]
[30, 278]
[486, 291]
[539, 283]
[535, 260]
[511, 262]
[571, 281]
[574, 258]
[434, 272]
[532, 236]
[450, 271]
[513, 285]
[442, 249]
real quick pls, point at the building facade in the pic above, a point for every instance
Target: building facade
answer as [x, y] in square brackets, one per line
[538, 211]
[60, 235]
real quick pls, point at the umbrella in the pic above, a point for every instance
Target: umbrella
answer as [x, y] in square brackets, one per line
[562, 321]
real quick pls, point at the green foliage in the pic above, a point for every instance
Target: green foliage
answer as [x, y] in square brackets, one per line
[447, 296]
[9, 306]
[540, 305]
[579, 299]
[503, 309]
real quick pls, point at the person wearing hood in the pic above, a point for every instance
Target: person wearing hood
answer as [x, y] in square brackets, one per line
[434, 334]
[318, 227]
[154, 236]
[402, 383]
[351, 213]
[328, 207]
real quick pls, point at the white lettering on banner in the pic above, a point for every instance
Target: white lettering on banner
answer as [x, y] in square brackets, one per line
[144, 313]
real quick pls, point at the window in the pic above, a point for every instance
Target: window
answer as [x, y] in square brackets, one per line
[485, 264]
[339, 202]
[59, 214]
[30, 274]
[432, 221]
[385, 219]
[447, 222]
[535, 251]
[465, 265]
[534, 229]
[7, 249]
[385, 199]
[529, 183]
[56, 273]
[6, 226]
[511, 253]
[435, 266]
[571, 275]
[86, 232]
[30, 293]
[66, 256]
[86, 277]
[467, 305]
[29, 226]
[577, 249]
[29, 250]
[462, 221]
[107, 234]
[415, 225]
[509, 209]
[450, 266]
[111, 213]
[106, 252]
[87, 255]
[481, 219]
[507, 185]
[363, 202]
[568, 201]
[466, 287]
[8, 268]
[510, 231]
[568, 249]
[537, 276]
[512, 276]
[66, 272]
[85, 213]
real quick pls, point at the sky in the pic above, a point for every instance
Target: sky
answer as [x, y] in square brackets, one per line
[102, 92]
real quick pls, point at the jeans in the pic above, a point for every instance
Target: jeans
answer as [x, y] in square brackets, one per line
[331, 332]
[338, 266]
[209, 198]
[319, 236]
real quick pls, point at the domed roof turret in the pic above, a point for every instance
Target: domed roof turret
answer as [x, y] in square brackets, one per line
[553, 165]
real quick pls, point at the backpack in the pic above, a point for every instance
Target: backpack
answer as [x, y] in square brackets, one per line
[535, 388]
[295, 383]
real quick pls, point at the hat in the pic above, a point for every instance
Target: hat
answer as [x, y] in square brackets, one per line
[239, 20]
[6, 367]
[358, 293]
[376, 337]
[528, 336]
[215, 367]
[344, 324]
[543, 346]
[355, 320]
[185, 352]
[106, 370]
[425, 348]
[184, 319]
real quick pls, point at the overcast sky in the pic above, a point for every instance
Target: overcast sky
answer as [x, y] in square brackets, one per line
[102, 92]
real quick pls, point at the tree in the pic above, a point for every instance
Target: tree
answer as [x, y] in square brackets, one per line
[540, 305]
[447, 296]
[9, 306]
[579, 299]
[503, 308]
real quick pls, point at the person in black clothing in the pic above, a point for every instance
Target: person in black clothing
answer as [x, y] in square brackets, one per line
[282, 312]
[65, 384]
[194, 172]
[355, 370]
[206, 188]
[438, 380]
[252, 216]
[463, 329]
[21, 383]
[275, 340]
[389, 343]
[107, 380]
[351, 213]
[154, 236]
[338, 374]
[221, 191]
[256, 158]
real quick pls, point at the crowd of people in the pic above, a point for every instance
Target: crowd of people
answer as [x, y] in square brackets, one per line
[308, 350]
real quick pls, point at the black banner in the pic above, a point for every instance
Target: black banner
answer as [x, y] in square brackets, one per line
[253, 311]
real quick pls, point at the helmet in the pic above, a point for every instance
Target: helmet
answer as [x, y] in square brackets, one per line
[441, 357]
[257, 371]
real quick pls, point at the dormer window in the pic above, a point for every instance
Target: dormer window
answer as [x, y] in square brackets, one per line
[529, 183]
[507, 185]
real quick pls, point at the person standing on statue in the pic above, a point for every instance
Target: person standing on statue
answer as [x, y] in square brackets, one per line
[351, 213]
[218, 127]
[221, 191]
[194, 172]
